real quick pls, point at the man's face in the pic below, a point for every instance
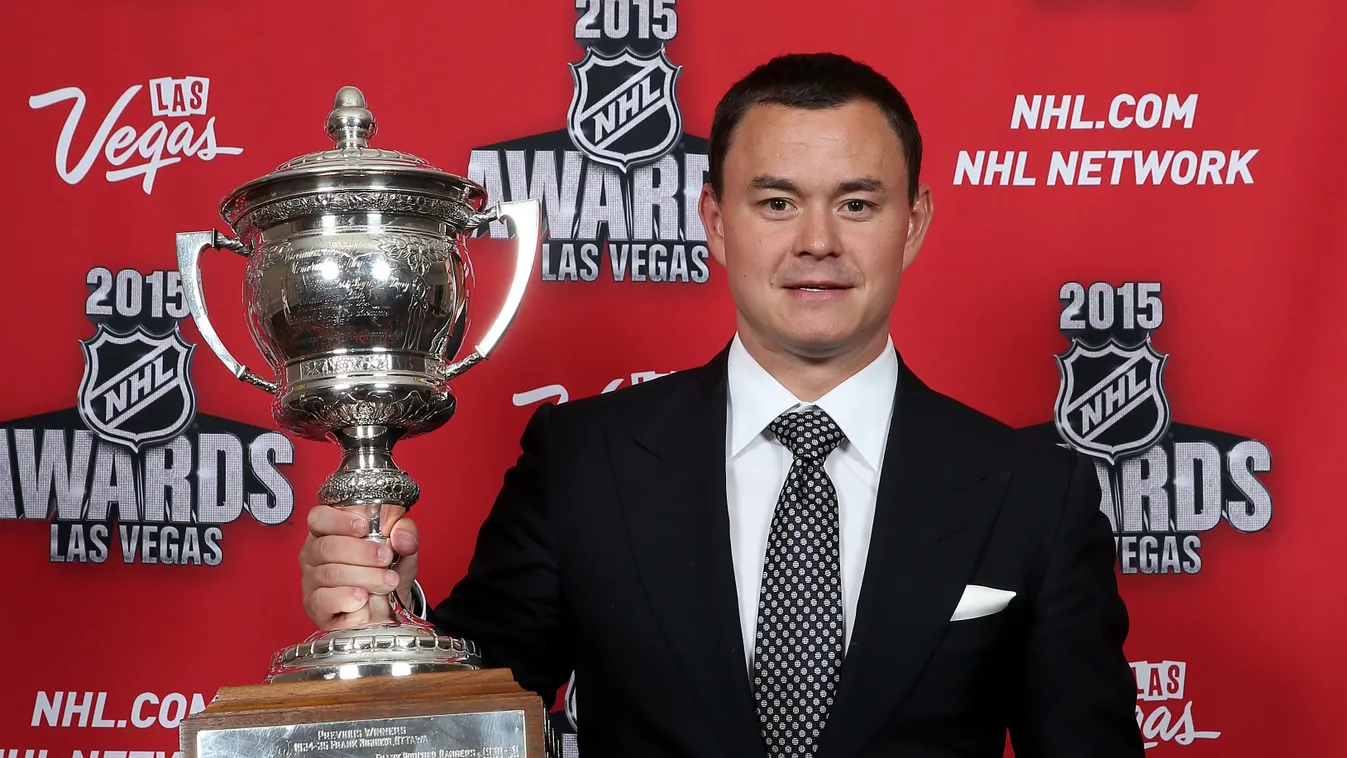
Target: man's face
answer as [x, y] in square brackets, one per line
[814, 227]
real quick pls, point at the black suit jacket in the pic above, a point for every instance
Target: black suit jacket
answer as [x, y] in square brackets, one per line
[607, 553]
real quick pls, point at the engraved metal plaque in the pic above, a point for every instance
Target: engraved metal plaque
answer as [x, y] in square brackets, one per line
[494, 734]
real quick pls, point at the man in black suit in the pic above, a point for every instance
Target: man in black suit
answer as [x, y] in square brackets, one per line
[798, 548]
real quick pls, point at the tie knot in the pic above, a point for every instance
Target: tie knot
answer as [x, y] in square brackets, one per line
[810, 433]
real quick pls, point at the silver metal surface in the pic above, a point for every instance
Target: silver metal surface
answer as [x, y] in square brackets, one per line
[409, 646]
[356, 295]
[190, 247]
[494, 734]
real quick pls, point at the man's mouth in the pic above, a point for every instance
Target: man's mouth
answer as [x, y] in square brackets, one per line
[817, 286]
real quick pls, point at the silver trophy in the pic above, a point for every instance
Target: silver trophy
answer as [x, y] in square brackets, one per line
[356, 294]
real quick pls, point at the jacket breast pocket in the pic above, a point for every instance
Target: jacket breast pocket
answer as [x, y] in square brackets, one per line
[971, 635]
[979, 646]
[973, 658]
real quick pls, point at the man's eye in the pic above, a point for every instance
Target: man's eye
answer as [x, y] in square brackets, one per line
[778, 204]
[857, 206]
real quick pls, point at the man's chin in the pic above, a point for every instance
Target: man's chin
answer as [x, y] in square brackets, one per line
[817, 345]
[821, 342]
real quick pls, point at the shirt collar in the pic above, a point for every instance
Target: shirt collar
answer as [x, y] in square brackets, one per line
[862, 406]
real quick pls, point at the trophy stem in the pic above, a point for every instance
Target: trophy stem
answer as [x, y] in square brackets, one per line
[368, 480]
[367, 477]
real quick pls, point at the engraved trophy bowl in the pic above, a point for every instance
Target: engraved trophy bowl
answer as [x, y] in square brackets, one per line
[356, 294]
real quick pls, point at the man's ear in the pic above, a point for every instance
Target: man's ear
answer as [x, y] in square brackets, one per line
[713, 221]
[917, 224]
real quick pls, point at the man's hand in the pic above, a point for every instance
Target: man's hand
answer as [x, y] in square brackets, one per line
[342, 571]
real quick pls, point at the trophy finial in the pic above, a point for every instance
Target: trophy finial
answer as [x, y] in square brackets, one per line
[350, 124]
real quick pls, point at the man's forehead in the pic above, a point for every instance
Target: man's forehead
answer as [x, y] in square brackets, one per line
[769, 182]
[854, 114]
[854, 140]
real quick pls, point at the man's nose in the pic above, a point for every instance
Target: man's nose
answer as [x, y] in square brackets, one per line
[818, 232]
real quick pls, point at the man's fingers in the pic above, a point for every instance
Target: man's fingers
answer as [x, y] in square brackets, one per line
[346, 578]
[389, 516]
[326, 602]
[375, 610]
[375, 580]
[324, 520]
[360, 617]
[405, 537]
[351, 551]
[406, 570]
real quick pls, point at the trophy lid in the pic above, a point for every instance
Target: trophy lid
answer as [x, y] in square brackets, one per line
[352, 177]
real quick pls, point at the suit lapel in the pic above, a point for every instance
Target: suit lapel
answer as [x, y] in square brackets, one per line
[932, 513]
[671, 482]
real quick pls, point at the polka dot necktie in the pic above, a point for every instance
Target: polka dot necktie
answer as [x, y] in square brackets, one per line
[798, 647]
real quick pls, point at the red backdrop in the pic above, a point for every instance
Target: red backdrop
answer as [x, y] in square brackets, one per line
[1237, 615]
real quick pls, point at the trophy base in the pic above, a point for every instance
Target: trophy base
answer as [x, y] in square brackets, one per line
[477, 713]
[401, 648]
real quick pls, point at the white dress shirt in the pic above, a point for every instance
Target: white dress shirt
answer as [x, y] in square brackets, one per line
[756, 465]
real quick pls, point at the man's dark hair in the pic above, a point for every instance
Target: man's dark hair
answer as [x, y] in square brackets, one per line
[815, 81]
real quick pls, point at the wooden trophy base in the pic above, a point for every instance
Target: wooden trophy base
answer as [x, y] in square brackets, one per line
[451, 714]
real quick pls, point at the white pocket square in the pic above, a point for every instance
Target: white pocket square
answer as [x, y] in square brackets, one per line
[978, 601]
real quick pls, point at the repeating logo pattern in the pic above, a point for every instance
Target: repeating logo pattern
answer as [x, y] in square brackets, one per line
[619, 184]
[134, 469]
[1112, 402]
[136, 389]
[1164, 483]
[624, 110]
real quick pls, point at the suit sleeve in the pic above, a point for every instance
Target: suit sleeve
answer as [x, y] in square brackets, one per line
[1078, 694]
[509, 602]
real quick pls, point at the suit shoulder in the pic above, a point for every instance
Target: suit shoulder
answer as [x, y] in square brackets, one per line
[625, 403]
[1001, 445]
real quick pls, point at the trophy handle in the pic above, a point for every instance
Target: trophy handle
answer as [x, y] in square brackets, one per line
[527, 218]
[190, 247]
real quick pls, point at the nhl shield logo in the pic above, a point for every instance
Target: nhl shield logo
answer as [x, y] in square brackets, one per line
[136, 389]
[624, 110]
[1111, 402]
